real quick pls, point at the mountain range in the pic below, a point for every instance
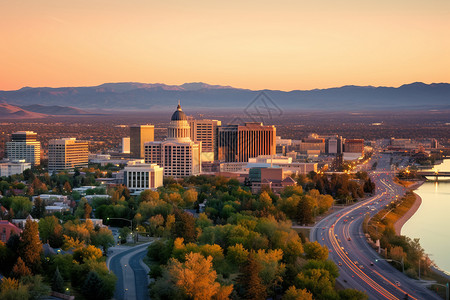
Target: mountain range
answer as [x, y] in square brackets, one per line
[133, 96]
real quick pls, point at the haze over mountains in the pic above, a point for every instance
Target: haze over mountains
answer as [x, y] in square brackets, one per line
[201, 96]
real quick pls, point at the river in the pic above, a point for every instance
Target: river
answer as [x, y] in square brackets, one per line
[431, 222]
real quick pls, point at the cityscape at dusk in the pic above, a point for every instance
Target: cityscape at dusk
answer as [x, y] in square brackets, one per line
[224, 150]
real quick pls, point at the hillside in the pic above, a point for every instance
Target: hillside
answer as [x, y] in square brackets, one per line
[201, 96]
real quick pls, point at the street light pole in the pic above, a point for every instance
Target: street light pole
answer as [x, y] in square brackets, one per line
[389, 260]
[131, 223]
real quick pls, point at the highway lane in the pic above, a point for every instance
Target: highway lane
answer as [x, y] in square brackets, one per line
[342, 233]
[131, 277]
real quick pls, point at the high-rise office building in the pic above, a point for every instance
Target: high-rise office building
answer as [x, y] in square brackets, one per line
[178, 154]
[126, 145]
[237, 143]
[67, 154]
[139, 135]
[24, 145]
[205, 131]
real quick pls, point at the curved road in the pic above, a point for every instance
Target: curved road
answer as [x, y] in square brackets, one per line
[132, 275]
[342, 233]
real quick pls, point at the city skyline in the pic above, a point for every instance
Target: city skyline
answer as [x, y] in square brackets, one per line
[254, 45]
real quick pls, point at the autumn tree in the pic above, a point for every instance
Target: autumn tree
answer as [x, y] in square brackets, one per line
[67, 188]
[184, 226]
[149, 195]
[20, 269]
[305, 213]
[313, 250]
[293, 293]
[189, 197]
[249, 280]
[196, 278]
[12, 289]
[30, 246]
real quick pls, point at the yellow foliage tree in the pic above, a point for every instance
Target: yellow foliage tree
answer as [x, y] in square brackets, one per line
[72, 243]
[196, 278]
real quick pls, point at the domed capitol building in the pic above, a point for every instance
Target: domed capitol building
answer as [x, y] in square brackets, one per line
[177, 154]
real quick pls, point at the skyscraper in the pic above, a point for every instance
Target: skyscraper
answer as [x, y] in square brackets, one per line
[178, 154]
[139, 135]
[237, 143]
[24, 145]
[126, 145]
[205, 131]
[67, 154]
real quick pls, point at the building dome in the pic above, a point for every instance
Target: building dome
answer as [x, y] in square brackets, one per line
[179, 115]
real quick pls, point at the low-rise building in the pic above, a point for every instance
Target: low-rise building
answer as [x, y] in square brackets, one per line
[7, 229]
[273, 179]
[140, 177]
[13, 167]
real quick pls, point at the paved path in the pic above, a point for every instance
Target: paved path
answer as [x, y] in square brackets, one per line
[132, 279]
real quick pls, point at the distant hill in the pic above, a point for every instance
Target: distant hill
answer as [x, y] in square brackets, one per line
[54, 110]
[128, 96]
[8, 111]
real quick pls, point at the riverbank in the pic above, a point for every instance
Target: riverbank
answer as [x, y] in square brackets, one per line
[411, 211]
[408, 214]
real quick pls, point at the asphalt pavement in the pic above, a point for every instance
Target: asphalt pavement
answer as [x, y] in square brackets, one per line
[132, 274]
[360, 266]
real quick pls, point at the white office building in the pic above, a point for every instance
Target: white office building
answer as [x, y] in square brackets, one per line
[8, 168]
[24, 145]
[141, 176]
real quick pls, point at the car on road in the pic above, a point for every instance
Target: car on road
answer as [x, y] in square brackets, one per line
[349, 239]
[371, 263]
[339, 264]
[397, 283]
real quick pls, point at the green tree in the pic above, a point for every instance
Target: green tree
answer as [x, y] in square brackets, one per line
[30, 246]
[93, 287]
[36, 287]
[237, 255]
[38, 210]
[57, 282]
[313, 250]
[51, 231]
[21, 206]
[124, 232]
[103, 238]
[352, 294]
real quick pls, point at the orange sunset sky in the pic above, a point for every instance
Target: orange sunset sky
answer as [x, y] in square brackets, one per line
[282, 45]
